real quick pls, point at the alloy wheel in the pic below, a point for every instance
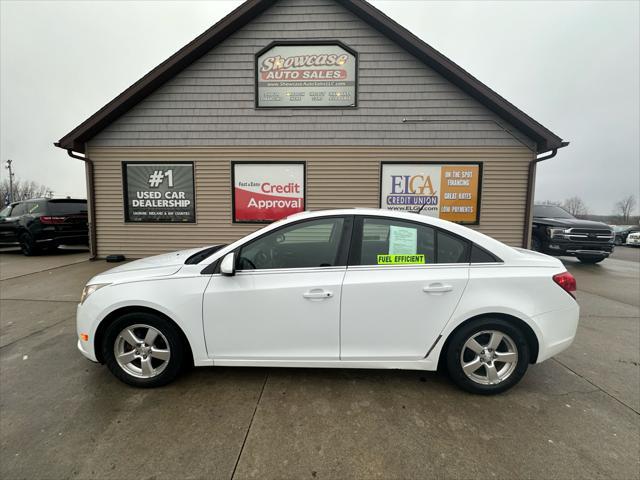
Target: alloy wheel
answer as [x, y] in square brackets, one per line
[142, 351]
[489, 357]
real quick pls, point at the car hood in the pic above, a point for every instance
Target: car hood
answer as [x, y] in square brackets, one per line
[571, 223]
[149, 267]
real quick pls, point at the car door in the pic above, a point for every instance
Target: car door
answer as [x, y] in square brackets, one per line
[284, 300]
[9, 224]
[402, 285]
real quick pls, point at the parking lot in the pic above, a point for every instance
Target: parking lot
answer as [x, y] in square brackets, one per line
[574, 416]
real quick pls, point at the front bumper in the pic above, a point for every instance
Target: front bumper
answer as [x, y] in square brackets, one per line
[84, 326]
[563, 247]
[634, 242]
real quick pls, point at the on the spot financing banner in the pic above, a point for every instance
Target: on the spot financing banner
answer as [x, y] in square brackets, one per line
[265, 192]
[447, 191]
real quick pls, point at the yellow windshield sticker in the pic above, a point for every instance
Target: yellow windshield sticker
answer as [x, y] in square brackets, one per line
[401, 259]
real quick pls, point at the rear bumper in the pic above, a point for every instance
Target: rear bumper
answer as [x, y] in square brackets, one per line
[559, 329]
[72, 239]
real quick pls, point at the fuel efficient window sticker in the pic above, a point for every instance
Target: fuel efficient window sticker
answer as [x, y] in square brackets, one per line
[401, 260]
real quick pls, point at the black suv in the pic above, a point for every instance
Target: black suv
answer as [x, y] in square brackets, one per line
[44, 224]
[557, 232]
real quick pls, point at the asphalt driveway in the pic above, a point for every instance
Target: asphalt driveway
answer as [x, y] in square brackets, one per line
[575, 416]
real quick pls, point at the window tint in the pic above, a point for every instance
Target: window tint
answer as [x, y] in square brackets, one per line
[19, 209]
[33, 207]
[67, 207]
[393, 242]
[452, 249]
[314, 243]
[5, 211]
[480, 255]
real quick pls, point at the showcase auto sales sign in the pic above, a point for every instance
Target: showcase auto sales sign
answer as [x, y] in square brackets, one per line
[264, 192]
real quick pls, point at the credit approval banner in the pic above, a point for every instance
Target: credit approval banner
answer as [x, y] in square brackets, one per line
[447, 190]
[265, 192]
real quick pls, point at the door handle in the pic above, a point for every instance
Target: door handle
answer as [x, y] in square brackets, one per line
[317, 294]
[437, 288]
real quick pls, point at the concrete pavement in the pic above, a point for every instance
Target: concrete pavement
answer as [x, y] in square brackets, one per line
[61, 416]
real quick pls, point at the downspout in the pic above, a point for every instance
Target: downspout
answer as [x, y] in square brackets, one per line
[526, 234]
[91, 196]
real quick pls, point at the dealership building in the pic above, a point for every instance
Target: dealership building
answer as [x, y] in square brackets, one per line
[290, 105]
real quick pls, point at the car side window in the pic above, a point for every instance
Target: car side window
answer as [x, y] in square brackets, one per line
[4, 213]
[452, 249]
[312, 243]
[394, 242]
[19, 209]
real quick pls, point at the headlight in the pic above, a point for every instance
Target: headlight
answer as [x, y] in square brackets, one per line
[556, 232]
[89, 289]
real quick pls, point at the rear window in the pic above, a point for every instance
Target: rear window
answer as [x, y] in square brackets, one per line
[68, 207]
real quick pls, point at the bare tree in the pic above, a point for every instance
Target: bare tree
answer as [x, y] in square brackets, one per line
[22, 190]
[575, 206]
[625, 207]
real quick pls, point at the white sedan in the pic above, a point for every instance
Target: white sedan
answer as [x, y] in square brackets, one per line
[351, 288]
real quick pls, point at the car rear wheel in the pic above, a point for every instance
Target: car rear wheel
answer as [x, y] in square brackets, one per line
[144, 350]
[28, 245]
[591, 259]
[487, 356]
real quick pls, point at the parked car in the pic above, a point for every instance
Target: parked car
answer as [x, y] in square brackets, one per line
[44, 224]
[557, 232]
[622, 231]
[353, 288]
[633, 239]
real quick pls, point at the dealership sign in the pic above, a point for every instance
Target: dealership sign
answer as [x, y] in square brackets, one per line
[447, 191]
[309, 75]
[265, 192]
[159, 192]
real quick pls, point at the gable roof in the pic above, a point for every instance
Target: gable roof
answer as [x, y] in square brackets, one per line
[75, 140]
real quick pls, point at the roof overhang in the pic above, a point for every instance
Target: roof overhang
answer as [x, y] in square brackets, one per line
[76, 139]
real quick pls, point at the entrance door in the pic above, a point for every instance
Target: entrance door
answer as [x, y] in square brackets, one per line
[403, 283]
[284, 300]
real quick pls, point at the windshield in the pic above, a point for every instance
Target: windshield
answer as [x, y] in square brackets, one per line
[550, 211]
[5, 211]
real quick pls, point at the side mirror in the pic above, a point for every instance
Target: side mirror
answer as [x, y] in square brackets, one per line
[228, 265]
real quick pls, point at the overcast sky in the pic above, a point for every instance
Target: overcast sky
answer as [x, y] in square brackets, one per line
[573, 66]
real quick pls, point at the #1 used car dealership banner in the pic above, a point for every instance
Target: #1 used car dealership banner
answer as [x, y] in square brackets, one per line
[159, 192]
[265, 192]
[447, 191]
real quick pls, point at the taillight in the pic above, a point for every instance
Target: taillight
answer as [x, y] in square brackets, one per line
[51, 220]
[566, 281]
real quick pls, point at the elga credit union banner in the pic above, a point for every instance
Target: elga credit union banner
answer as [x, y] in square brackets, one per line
[159, 192]
[264, 192]
[306, 76]
[447, 191]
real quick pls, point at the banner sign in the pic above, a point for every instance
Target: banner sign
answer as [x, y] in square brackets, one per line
[447, 191]
[159, 192]
[289, 76]
[265, 192]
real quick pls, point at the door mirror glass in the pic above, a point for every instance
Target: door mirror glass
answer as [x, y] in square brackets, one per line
[228, 265]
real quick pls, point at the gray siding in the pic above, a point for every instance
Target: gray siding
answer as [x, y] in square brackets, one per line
[211, 102]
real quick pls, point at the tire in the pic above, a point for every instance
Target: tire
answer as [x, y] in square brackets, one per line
[591, 260]
[536, 245]
[28, 245]
[157, 370]
[490, 377]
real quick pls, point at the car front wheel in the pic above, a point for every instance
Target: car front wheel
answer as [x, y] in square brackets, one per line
[487, 356]
[144, 350]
